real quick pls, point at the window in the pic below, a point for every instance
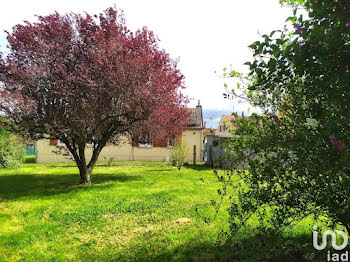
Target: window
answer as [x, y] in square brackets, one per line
[171, 142]
[215, 143]
[53, 142]
[60, 143]
[91, 143]
[145, 140]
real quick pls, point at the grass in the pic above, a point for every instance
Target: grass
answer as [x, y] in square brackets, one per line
[29, 159]
[133, 211]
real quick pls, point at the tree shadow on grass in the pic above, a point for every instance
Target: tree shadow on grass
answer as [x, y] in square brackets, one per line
[35, 186]
[173, 168]
[161, 170]
[199, 167]
[262, 248]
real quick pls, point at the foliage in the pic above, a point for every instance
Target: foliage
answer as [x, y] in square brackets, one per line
[87, 79]
[11, 153]
[298, 149]
[29, 159]
[179, 153]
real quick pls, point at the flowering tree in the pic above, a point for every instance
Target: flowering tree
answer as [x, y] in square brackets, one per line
[298, 150]
[88, 79]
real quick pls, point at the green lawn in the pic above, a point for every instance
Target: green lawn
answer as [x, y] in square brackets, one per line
[133, 211]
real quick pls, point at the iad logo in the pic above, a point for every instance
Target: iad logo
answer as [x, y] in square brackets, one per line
[332, 256]
[334, 239]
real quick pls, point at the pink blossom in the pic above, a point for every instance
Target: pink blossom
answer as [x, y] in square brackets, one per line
[337, 144]
[298, 27]
[348, 24]
[305, 46]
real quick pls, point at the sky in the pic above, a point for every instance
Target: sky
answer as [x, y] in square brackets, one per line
[205, 36]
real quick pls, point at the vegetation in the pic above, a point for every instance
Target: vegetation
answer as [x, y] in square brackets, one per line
[134, 211]
[11, 153]
[179, 153]
[87, 79]
[299, 149]
[29, 159]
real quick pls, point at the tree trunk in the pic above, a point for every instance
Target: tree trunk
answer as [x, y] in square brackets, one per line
[85, 176]
[79, 157]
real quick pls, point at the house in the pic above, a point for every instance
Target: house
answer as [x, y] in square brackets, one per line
[216, 143]
[225, 125]
[217, 146]
[137, 150]
[207, 132]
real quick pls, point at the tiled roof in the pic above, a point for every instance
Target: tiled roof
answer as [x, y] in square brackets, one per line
[209, 131]
[232, 118]
[229, 117]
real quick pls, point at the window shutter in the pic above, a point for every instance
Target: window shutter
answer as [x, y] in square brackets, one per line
[53, 142]
[135, 143]
[160, 143]
[156, 143]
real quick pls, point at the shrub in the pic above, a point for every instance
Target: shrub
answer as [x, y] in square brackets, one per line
[11, 153]
[298, 149]
[179, 153]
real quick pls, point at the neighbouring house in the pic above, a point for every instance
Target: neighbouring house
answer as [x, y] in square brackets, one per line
[207, 132]
[216, 143]
[217, 147]
[146, 150]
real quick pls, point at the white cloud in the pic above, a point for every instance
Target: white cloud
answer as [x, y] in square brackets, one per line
[206, 35]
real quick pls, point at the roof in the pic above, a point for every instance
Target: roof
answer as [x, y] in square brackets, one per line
[209, 131]
[232, 118]
[220, 136]
[229, 117]
[195, 118]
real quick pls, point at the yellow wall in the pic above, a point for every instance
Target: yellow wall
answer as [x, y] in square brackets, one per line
[125, 151]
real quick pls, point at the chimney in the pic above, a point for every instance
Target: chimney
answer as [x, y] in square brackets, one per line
[199, 114]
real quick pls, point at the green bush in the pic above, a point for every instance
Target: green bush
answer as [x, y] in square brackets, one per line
[298, 148]
[179, 153]
[11, 153]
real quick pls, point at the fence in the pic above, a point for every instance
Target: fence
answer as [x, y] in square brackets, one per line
[30, 150]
